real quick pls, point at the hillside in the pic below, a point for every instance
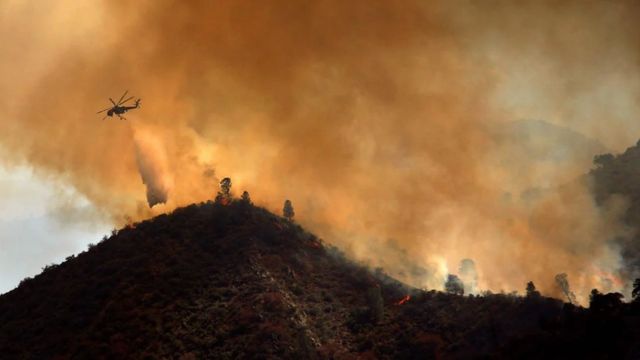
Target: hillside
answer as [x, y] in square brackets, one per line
[618, 175]
[235, 281]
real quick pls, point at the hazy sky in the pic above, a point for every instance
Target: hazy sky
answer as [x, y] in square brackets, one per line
[389, 124]
[31, 234]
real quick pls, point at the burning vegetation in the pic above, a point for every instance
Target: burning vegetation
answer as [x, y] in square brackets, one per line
[403, 300]
[333, 95]
[224, 195]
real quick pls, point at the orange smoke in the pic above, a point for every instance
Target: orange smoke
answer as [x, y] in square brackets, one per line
[378, 120]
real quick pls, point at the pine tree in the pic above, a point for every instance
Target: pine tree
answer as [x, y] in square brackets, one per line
[246, 198]
[224, 195]
[454, 285]
[287, 211]
[531, 290]
[562, 280]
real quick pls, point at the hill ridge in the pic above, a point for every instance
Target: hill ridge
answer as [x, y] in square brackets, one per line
[235, 281]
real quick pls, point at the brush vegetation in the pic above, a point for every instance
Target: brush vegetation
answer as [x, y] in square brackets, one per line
[231, 280]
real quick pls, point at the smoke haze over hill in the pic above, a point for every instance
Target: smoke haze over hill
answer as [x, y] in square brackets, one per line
[378, 120]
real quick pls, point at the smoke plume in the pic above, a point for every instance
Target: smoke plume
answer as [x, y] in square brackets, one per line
[152, 164]
[379, 120]
[468, 275]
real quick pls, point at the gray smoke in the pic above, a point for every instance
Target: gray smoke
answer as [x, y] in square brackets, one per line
[151, 161]
[468, 275]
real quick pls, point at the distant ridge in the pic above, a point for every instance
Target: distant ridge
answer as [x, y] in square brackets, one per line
[619, 174]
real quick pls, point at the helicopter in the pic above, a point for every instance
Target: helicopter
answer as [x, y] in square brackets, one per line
[119, 108]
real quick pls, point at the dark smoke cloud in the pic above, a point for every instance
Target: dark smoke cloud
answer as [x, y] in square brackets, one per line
[377, 119]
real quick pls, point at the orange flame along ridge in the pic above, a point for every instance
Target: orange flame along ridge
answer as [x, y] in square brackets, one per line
[403, 300]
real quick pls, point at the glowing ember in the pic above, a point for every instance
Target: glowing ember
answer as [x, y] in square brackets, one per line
[403, 300]
[315, 245]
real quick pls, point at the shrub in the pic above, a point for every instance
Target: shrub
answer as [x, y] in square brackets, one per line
[375, 304]
[454, 285]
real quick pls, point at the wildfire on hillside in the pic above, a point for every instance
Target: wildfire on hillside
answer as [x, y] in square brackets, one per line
[315, 244]
[403, 300]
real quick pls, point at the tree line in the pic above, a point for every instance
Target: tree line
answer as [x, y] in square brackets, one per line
[224, 197]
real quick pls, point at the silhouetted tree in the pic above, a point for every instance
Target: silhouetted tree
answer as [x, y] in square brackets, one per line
[603, 160]
[635, 293]
[562, 280]
[454, 285]
[593, 298]
[225, 186]
[604, 302]
[531, 290]
[287, 211]
[246, 198]
[224, 195]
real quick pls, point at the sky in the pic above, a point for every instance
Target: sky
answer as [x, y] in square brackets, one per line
[403, 132]
[31, 234]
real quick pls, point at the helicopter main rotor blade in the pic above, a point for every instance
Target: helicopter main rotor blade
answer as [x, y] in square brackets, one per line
[122, 97]
[104, 110]
[123, 102]
[113, 102]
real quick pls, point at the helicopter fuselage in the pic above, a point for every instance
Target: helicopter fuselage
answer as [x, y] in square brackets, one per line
[118, 110]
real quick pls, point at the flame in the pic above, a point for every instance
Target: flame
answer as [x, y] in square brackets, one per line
[315, 245]
[403, 300]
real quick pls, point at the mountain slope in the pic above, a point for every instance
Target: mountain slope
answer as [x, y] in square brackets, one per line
[618, 175]
[235, 281]
[207, 279]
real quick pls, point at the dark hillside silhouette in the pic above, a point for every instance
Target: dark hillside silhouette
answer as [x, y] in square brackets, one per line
[227, 281]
